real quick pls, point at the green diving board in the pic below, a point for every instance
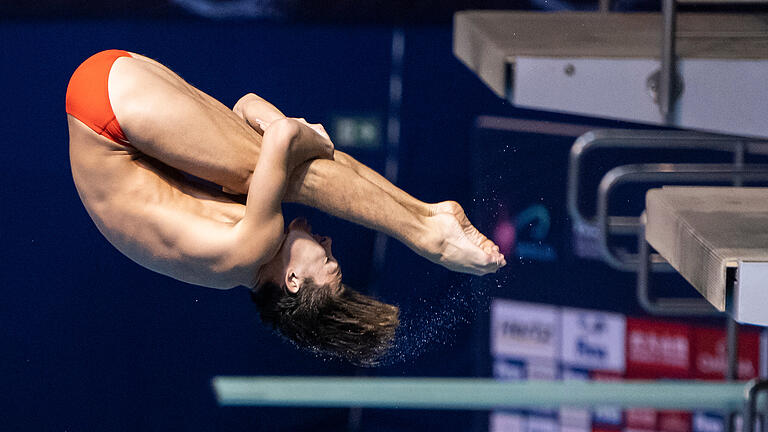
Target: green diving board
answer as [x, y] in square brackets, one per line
[473, 394]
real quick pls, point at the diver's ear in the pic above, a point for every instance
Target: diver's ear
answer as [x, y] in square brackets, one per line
[292, 281]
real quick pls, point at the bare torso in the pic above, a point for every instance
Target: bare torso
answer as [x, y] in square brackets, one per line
[120, 187]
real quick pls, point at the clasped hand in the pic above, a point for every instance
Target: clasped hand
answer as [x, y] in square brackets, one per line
[310, 142]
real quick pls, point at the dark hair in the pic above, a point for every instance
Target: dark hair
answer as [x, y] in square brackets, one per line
[344, 324]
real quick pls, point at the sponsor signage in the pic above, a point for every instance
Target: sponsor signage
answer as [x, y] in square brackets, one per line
[657, 349]
[674, 421]
[593, 340]
[710, 357]
[641, 419]
[607, 415]
[543, 370]
[501, 421]
[524, 330]
[575, 419]
[506, 422]
[538, 423]
[569, 428]
[707, 422]
[507, 369]
[542, 342]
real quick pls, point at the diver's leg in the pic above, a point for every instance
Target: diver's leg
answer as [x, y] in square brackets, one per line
[417, 206]
[338, 190]
[442, 238]
[399, 195]
[229, 166]
[166, 118]
[169, 120]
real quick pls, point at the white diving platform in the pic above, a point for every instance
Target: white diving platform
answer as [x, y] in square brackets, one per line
[717, 239]
[599, 64]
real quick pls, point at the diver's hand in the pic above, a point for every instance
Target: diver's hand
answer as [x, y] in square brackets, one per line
[306, 141]
[317, 127]
[312, 142]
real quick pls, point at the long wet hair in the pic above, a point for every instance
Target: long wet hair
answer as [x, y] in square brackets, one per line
[343, 324]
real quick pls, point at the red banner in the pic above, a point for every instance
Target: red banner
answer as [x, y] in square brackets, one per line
[641, 419]
[674, 421]
[657, 349]
[709, 358]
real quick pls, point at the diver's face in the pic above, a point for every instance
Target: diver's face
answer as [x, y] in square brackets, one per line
[309, 255]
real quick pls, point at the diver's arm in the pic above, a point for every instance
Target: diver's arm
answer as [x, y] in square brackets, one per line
[270, 176]
[259, 232]
[287, 143]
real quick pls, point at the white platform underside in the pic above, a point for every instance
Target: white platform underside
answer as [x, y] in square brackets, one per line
[725, 96]
[598, 65]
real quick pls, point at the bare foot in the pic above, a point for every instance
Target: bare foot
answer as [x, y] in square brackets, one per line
[476, 237]
[463, 247]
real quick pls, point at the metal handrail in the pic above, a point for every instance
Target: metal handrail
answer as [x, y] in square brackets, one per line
[643, 139]
[659, 173]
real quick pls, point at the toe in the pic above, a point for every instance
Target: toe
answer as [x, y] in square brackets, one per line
[499, 260]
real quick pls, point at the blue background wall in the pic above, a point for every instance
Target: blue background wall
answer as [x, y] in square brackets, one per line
[92, 341]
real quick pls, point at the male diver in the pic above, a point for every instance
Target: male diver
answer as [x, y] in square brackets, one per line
[146, 148]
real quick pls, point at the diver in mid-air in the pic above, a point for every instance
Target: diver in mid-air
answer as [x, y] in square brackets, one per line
[140, 140]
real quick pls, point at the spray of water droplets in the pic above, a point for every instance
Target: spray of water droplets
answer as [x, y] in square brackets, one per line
[433, 321]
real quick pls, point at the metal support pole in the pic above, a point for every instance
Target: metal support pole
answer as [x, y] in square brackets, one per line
[732, 368]
[739, 152]
[732, 327]
[668, 74]
[763, 368]
[732, 372]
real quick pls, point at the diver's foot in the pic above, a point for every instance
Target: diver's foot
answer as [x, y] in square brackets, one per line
[476, 237]
[462, 247]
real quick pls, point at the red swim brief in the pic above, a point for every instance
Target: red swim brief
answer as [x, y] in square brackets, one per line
[88, 95]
